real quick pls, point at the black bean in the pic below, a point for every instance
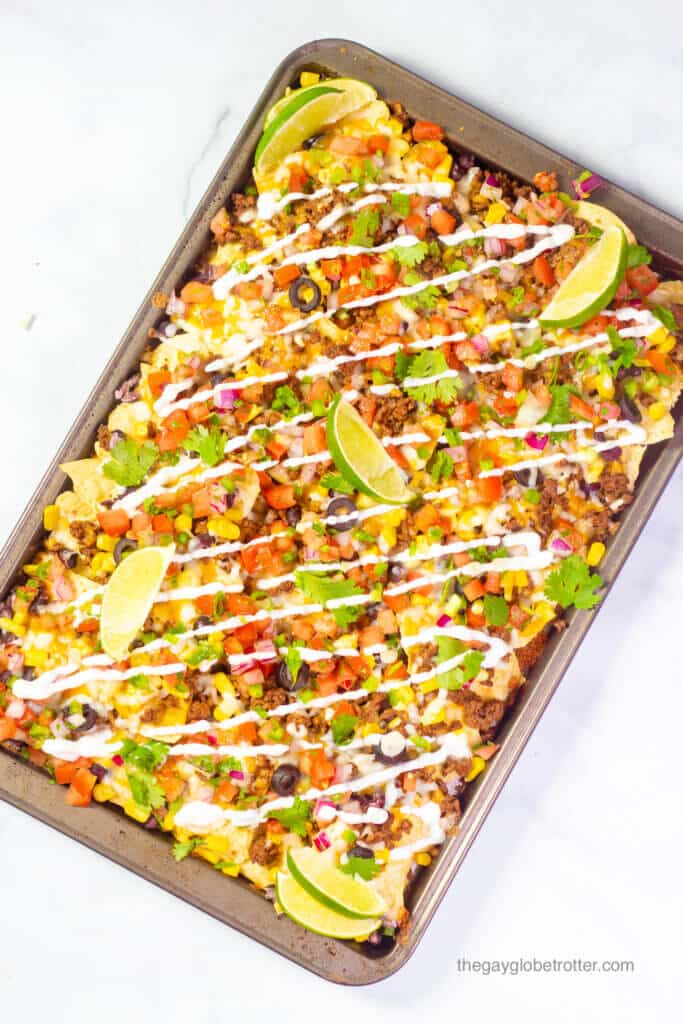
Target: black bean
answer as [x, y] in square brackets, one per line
[98, 771]
[396, 572]
[293, 515]
[284, 779]
[203, 620]
[629, 408]
[531, 477]
[361, 851]
[123, 545]
[611, 454]
[297, 294]
[284, 676]
[91, 719]
[29, 673]
[342, 506]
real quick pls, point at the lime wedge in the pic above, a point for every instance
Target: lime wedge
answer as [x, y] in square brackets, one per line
[129, 596]
[601, 217]
[591, 285]
[307, 911]
[361, 458]
[357, 95]
[321, 878]
[306, 113]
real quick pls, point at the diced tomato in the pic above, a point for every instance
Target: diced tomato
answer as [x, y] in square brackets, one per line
[320, 769]
[492, 583]
[348, 145]
[257, 560]
[79, 793]
[205, 603]
[280, 496]
[247, 732]
[465, 414]
[581, 408]
[8, 727]
[174, 430]
[443, 222]
[88, 626]
[378, 143]
[424, 130]
[201, 503]
[397, 602]
[519, 242]
[66, 770]
[195, 291]
[141, 521]
[315, 438]
[490, 488]
[504, 406]
[475, 621]
[285, 275]
[226, 791]
[660, 362]
[642, 279]
[416, 225]
[198, 413]
[597, 325]
[162, 523]
[298, 178]
[240, 604]
[543, 272]
[320, 390]
[425, 517]
[114, 521]
[275, 448]
[332, 269]
[157, 381]
[513, 377]
[473, 590]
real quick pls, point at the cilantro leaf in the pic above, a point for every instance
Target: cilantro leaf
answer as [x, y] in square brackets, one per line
[636, 256]
[572, 583]
[625, 349]
[204, 651]
[209, 444]
[401, 203]
[440, 465]
[146, 756]
[364, 227]
[559, 410]
[426, 298]
[320, 589]
[147, 793]
[343, 728]
[130, 462]
[293, 661]
[516, 297]
[431, 363]
[496, 610]
[294, 818]
[409, 255]
[364, 867]
[286, 402]
[665, 316]
[182, 850]
[336, 482]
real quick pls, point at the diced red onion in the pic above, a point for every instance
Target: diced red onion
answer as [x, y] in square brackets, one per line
[444, 620]
[491, 180]
[481, 343]
[213, 740]
[254, 677]
[243, 666]
[584, 188]
[320, 813]
[494, 247]
[561, 546]
[510, 273]
[432, 208]
[63, 588]
[175, 306]
[457, 452]
[610, 410]
[309, 472]
[536, 441]
[611, 454]
[239, 776]
[266, 647]
[15, 708]
[322, 842]
[195, 362]
[343, 772]
[117, 759]
[224, 398]
[218, 504]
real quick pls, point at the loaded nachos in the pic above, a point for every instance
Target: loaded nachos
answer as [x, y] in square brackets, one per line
[373, 452]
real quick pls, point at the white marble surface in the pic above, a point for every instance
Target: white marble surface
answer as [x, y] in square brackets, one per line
[105, 110]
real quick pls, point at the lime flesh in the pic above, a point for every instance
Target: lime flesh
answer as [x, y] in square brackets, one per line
[592, 283]
[129, 596]
[601, 217]
[361, 458]
[357, 93]
[321, 878]
[305, 910]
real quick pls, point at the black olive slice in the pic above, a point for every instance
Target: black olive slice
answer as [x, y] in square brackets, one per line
[299, 289]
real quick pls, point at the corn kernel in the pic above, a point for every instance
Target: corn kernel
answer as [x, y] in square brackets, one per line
[134, 811]
[183, 524]
[382, 856]
[102, 562]
[658, 336]
[508, 582]
[308, 78]
[478, 765]
[667, 344]
[35, 658]
[223, 528]
[103, 792]
[105, 543]
[394, 723]
[595, 553]
[656, 411]
[605, 385]
[495, 213]
[423, 859]
[219, 844]
[12, 626]
[51, 517]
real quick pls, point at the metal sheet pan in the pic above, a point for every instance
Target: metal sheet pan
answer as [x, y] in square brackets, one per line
[106, 829]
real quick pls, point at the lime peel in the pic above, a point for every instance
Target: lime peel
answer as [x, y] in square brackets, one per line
[592, 284]
[129, 595]
[321, 878]
[361, 458]
[308, 912]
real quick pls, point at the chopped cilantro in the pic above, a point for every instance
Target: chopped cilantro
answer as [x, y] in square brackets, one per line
[636, 256]
[336, 482]
[572, 583]
[666, 317]
[364, 867]
[625, 348]
[343, 728]
[131, 462]
[452, 436]
[440, 465]
[146, 791]
[146, 756]
[204, 651]
[409, 255]
[209, 444]
[496, 610]
[364, 227]
[559, 410]
[294, 818]
[293, 661]
[426, 298]
[534, 348]
[401, 203]
[431, 363]
[183, 850]
[515, 298]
